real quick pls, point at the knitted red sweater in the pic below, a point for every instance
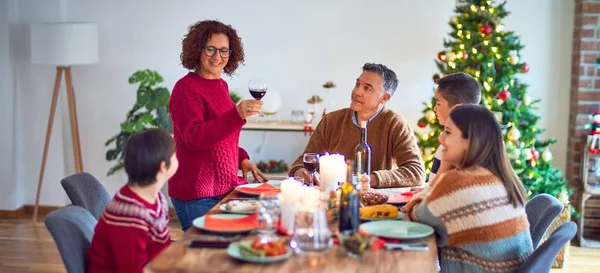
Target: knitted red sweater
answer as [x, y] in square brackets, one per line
[206, 126]
[129, 234]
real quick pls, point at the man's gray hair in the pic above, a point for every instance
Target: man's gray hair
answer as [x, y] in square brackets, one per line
[390, 80]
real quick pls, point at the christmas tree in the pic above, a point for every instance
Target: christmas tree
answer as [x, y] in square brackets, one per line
[481, 47]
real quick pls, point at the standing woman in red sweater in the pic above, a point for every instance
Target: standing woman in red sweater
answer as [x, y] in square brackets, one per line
[206, 122]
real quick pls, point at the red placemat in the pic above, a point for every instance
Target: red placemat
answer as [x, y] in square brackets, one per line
[228, 224]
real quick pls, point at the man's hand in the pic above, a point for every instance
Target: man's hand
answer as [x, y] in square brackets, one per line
[302, 172]
[248, 166]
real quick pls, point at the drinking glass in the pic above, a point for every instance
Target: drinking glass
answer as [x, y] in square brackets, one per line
[258, 89]
[268, 215]
[311, 231]
[311, 163]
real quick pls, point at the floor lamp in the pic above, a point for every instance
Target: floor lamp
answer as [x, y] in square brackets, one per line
[63, 45]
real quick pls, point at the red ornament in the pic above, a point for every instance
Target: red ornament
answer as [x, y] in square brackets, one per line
[535, 155]
[442, 56]
[524, 68]
[486, 29]
[421, 125]
[504, 95]
[465, 56]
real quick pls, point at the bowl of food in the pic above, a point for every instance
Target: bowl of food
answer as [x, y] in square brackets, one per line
[356, 245]
[259, 251]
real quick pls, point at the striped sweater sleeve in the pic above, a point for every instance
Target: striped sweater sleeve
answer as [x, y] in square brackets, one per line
[476, 225]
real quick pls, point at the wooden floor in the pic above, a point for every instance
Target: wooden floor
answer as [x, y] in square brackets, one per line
[25, 247]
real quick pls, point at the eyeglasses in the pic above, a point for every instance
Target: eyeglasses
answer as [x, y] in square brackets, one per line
[211, 51]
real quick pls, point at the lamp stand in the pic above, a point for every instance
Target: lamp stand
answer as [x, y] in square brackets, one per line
[74, 129]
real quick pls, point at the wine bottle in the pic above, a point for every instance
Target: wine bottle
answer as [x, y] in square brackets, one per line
[348, 214]
[362, 152]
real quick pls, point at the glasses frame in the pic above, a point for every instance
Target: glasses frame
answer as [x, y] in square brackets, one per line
[220, 50]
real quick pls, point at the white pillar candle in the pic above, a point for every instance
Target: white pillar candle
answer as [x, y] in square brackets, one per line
[329, 170]
[288, 202]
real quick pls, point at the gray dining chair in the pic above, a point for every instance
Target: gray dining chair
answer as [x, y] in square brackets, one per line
[85, 190]
[542, 258]
[541, 211]
[72, 228]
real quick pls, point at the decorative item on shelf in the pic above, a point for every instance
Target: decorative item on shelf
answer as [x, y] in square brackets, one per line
[594, 127]
[271, 105]
[297, 116]
[272, 166]
[313, 111]
[308, 123]
[329, 85]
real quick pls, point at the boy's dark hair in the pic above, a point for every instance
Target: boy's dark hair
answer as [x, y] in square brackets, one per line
[459, 88]
[144, 152]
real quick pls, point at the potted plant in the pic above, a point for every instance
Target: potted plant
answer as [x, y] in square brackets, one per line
[149, 111]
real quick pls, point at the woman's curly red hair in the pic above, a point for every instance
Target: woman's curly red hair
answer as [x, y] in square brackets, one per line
[197, 37]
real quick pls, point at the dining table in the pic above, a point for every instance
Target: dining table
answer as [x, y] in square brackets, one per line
[181, 258]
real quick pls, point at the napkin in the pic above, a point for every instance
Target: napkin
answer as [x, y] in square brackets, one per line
[403, 197]
[267, 188]
[228, 224]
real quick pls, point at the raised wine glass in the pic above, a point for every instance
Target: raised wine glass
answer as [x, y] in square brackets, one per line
[311, 163]
[258, 89]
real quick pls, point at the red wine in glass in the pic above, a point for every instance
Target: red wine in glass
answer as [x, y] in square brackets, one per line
[258, 89]
[311, 163]
[258, 93]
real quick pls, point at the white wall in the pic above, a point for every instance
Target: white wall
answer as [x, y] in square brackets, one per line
[295, 45]
[7, 97]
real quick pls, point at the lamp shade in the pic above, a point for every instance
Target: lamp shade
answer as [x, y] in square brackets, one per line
[64, 43]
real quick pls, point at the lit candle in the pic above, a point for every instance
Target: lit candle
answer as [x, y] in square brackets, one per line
[331, 170]
[289, 200]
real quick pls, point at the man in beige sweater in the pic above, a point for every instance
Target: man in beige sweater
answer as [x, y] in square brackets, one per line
[395, 158]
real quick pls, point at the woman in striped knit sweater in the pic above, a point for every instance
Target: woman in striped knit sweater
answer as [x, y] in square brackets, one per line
[477, 210]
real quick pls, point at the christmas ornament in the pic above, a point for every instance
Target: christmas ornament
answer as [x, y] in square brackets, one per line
[486, 29]
[499, 28]
[513, 134]
[450, 56]
[535, 155]
[595, 131]
[430, 116]
[504, 95]
[465, 56]
[513, 58]
[442, 56]
[528, 155]
[514, 154]
[428, 151]
[526, 100]
[524, 68]
[563, 197]
[547, 155]
[454, 19]
[422, 124]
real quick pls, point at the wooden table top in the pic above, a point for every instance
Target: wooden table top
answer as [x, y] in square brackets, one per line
[178, 257]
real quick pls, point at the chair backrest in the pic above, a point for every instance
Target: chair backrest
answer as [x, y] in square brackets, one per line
[85, 190]
[541, 211]
[72, 228]
[542, 258]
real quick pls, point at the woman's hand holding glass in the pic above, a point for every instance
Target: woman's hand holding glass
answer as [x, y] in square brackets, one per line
[247, 108]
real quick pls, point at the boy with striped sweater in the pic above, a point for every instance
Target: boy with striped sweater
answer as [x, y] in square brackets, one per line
[134, 227]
